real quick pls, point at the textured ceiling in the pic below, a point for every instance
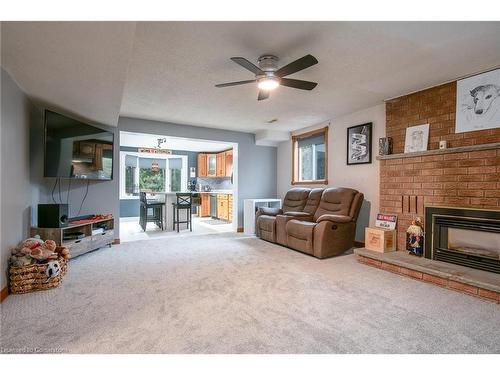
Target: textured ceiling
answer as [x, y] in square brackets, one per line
[77, 67]
[173, 67]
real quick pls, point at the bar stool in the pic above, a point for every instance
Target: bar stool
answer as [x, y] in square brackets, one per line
[183, 202]
[156, 217]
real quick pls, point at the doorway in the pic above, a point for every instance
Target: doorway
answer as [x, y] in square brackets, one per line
[161, 166]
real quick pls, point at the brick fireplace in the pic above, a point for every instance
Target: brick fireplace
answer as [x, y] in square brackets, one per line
[466, 175]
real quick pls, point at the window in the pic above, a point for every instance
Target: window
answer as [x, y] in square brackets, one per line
[310, 157]
[151, 182]
[169, 174]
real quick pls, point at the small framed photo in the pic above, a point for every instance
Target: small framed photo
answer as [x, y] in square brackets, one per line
[359, 144]
[417, 138]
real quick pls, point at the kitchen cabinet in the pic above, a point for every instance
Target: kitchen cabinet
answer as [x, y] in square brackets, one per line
[228, 163]
[221, 164]
[204, 208]
[202, 165]
[215, 165]
[211, 165]
[91, 152]
[225, 206]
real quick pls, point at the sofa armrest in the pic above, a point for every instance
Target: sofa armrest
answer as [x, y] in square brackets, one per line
[271, 211]
[334, 218]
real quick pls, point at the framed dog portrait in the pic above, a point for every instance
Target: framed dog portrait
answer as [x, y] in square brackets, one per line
[359, 144]
[478, 102]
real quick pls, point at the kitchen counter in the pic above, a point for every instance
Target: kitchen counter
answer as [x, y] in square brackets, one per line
[197, 192]
[215, 192]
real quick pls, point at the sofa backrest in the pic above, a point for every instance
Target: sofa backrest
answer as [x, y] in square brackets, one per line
[340, 201]
[313, 201]
[295, 199]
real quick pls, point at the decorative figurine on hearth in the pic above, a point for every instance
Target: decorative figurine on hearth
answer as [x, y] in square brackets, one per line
[415, 237]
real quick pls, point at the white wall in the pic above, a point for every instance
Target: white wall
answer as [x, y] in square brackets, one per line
[15, 183]
[364, 177]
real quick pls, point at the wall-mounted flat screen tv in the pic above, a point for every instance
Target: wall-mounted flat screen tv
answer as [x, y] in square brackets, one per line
[74, 149]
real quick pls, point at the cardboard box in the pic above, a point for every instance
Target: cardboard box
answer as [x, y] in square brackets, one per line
[381, 240]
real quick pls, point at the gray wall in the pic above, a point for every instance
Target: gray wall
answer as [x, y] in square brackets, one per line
[102, 197]
[15, 176]
[256, 164]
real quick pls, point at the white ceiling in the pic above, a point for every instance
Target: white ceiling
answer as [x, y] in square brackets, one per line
[172, 143]
[77, 67]
[173, 67]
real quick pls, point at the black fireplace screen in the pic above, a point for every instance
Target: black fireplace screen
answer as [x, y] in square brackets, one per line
[467, 237]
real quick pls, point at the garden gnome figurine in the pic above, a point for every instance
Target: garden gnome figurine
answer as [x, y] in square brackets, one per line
[415, 237]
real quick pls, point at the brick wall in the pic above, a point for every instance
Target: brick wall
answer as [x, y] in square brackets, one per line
[464, 179]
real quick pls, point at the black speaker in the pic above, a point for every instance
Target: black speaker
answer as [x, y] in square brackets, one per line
[52, 215]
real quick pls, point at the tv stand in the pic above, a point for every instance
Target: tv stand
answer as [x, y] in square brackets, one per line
[80, 238]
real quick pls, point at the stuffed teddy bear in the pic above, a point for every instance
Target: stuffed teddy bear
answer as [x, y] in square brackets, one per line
[64, 251]
[34, 249]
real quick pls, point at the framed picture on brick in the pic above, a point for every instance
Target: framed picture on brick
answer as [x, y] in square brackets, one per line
[417, 138]
[359, 144]
[478, 102]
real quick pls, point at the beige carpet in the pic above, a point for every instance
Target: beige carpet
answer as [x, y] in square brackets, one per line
[228, 293]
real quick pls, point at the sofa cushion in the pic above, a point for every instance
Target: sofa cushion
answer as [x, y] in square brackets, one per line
[313, 201]
[336, 201]
[298, 215]
[281, 220]
[300, 235]
[295, 199]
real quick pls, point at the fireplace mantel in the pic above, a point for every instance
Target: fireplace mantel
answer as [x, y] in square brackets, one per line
[486, 146]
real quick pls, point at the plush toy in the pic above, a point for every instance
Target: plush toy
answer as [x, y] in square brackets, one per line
[32, 243]
[50, 245]
[35, 250]
[53, 269]
[20, 261]
[64, 251]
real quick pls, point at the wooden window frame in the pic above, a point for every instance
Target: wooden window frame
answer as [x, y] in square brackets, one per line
[295, 161]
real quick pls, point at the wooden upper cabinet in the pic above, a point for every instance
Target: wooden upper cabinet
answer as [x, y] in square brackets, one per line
[215, 165]
[202, 165]
[211, 165]
[221, 164]
[228, 156]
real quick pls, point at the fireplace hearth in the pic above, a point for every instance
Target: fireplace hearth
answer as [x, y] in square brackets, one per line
[463, 236]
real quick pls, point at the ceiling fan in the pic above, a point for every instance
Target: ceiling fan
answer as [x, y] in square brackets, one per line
[269, 77]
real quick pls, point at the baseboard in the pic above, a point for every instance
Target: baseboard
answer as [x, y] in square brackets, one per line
[359, 244]
[239, 230]
[116, 241]
[4, 293]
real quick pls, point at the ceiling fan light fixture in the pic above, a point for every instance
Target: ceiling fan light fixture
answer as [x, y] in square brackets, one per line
[268, 83]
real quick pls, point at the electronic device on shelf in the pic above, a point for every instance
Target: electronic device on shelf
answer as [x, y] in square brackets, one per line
[52, 215]
[73, 236]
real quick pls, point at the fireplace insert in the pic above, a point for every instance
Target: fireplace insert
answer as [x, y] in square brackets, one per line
[468, 237]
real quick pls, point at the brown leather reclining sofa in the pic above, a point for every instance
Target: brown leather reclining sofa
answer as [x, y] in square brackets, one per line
[318, 222]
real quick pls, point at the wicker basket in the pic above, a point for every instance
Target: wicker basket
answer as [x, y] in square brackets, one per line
[31, 278]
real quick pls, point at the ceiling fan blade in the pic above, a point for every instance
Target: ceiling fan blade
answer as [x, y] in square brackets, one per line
[297, 65]
[298, 84]
[247, 65]
[235, 83]
[263, 95]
